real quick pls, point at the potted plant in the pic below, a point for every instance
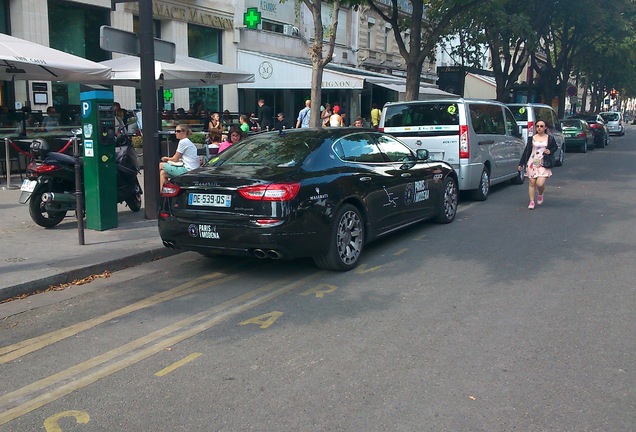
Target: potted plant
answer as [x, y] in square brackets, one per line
[138, 145]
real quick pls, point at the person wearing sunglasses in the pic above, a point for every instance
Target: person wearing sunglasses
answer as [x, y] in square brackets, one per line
[532, 159]
[185, 158]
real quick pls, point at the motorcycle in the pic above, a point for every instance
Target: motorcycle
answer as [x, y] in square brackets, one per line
[49, 186]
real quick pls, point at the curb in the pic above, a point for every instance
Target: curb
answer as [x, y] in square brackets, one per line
[31, 287]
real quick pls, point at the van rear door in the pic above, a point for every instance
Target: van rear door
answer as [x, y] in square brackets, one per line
[426, 125]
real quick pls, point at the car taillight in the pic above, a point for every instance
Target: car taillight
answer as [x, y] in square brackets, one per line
[530, 128]
[464, 145]
[170, 190]
[270, 192]
[595, 126]
[46, 168]
[380, 129]
[581, 135]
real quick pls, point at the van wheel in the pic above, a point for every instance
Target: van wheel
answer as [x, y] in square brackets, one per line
[481, 193]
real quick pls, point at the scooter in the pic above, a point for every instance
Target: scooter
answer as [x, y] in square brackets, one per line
[49, 186]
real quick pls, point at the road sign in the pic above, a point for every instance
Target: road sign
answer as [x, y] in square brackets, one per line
[124, 42]
[572, 90]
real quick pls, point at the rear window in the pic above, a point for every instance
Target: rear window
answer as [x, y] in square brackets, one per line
[425, 114]
[270, 150]
[571, 124]
[519, 112]
[610, 116]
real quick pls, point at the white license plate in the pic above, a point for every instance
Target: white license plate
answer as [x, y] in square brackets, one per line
[28, 185]
[210, 200]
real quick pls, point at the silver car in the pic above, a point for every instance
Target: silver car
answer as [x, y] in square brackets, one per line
[614, 122]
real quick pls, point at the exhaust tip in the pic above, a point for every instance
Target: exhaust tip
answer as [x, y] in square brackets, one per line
[260, 253]
[168, 244]
[274, 254]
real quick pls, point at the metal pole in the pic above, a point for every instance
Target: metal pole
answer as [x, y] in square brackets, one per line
[7, 169]
[79, 192]
[149, 113]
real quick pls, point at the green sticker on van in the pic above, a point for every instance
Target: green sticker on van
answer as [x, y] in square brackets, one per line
[522, 110]
[452, 109]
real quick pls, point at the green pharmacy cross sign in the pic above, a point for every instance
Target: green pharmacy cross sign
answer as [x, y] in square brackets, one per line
[167, 95]
[252, 18]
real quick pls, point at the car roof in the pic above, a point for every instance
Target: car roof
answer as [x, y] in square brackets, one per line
[447, 100]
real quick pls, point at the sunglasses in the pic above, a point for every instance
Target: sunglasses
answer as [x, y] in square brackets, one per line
[178, 131]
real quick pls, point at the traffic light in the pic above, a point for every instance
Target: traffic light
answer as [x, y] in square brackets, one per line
[613, 93]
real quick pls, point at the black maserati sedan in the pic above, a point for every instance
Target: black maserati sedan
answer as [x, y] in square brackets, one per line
[320, 193]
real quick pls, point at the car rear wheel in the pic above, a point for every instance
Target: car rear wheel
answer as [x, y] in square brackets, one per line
[346, 241]
[448, 206]
[481, 193]
[583, 147]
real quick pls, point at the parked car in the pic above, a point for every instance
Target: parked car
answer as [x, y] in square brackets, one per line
[528, 114]
[321, 193]
[614, 121]
[598, 126]
[578, 134]
[479, 138]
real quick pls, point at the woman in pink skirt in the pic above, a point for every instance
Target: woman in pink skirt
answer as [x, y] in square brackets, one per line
[539, 144]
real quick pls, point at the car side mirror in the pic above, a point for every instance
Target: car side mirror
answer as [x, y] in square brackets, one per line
[422, 154]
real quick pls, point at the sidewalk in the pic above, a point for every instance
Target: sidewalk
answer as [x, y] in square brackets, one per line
[32, 257]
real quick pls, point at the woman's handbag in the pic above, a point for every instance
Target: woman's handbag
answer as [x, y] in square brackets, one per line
[548, 161]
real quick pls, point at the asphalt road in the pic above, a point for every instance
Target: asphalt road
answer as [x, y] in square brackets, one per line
[506, 320]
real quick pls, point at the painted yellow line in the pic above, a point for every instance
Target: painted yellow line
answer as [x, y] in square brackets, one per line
[12, 352]
[219, 314]
[401, 251]
[178, 364]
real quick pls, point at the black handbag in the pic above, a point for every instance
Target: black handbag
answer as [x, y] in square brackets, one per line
[548, 161]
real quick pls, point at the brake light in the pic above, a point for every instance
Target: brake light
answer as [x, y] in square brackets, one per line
[46, 168]
[530, 128]
[464, 145]
[170, 190]
[581, 135]
[270, 192]
[380, 129]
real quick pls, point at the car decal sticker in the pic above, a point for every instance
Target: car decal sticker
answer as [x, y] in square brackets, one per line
[392, 201]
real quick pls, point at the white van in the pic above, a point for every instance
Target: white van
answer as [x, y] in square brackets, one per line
[614, 122]
[527, 116]
[479, 138]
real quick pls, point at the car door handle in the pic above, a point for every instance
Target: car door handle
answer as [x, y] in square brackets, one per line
[405, 175]
[486, 142]
[365, 179]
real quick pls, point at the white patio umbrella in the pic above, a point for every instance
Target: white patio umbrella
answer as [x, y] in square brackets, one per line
[185, 72]
[24, 60]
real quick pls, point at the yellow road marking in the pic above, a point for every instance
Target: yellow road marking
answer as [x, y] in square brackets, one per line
[362, 269]
[320, 290]
[263, 321]
[178, 364]
[51, 424]
[12, 352]
[216, 315]
[401, 251]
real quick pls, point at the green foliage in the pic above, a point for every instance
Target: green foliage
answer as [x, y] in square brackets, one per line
[137, 141]
[198, 138]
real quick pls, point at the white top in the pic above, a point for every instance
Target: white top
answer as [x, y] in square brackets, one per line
[189, 151]
[334, 120]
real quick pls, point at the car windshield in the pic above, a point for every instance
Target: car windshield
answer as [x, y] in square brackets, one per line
[270, 150]
[610, 117]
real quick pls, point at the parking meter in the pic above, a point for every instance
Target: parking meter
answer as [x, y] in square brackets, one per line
[100, 169]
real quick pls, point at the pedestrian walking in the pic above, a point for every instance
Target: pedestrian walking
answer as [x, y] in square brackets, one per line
[303, 115]
[265, 115]
[539, 145]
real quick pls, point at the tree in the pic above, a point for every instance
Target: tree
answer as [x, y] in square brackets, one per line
[425, 32]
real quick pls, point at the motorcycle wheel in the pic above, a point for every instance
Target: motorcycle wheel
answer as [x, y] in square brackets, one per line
[42, 217]
[134, 202]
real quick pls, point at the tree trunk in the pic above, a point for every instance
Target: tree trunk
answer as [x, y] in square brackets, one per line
[413, 73]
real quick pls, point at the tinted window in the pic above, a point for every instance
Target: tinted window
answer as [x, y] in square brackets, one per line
[394, 150]
[358, 148]
[425, 114]
[544, 114]
[520, 112]
[270, 150]
[487, 119]
[610, 116]
[572, 124]
[512, 128]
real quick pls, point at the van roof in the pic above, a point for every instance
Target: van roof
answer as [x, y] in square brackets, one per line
[455, 100]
